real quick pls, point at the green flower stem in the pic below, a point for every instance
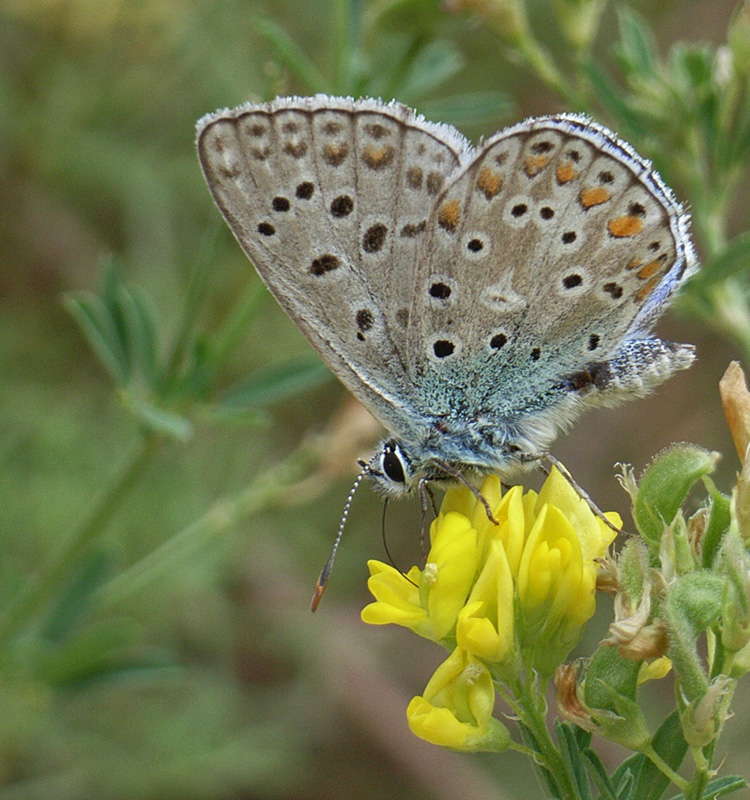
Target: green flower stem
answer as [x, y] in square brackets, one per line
[542, 64]
[41, 586]
[664, 768]
[269, 489]
[530, 707]
[697, 786]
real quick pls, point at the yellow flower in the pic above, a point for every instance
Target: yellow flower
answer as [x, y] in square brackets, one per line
[456, 708]
[428, 601]
[522, 587]
[485, 628]
[654, 670]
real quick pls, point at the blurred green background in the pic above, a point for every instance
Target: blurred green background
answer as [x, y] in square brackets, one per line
[166, 507]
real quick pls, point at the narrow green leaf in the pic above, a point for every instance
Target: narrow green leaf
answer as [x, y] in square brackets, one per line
[226, 415]
[161, 421]
[719, 787]
[140, 334]
[274, 384]
[637, 46]
[234, 329]
[718, 524]
[94, 568]
[146, 322]
[547, 778]
[599, 774]
[345, 44]
[612, 98]
[434, 64]
[571, 754]
[112, 296]
[734, 259]
[623, 777]
[291, 55]
[90, 313]
[395, 17]
[469, 108]
[88, 653]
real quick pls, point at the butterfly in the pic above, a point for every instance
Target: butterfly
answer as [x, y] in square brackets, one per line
[475, 299]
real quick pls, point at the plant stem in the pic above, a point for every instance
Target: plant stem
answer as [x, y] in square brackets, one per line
[264, 492]
[532, 715]
[663, 767]
[41, 586]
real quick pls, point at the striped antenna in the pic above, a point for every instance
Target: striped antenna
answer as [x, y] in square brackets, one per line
[320, 586]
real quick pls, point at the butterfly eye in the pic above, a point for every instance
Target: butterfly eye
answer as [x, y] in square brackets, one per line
[392, 466]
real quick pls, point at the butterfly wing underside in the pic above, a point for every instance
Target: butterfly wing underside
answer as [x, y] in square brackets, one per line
[555, 245]
[330, 200]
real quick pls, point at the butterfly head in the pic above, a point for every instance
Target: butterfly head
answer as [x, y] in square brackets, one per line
[391, 469]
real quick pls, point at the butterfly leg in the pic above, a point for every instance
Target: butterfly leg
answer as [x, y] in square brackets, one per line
[580, 491]
[470, 486]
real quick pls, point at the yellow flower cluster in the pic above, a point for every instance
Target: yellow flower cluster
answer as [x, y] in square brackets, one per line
[503, 598]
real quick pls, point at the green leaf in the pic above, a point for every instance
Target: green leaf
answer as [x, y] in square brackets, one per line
[141, 324]
[291, 55]
[91, 652]
[669, 743]
[612, 98]
[734, 259]
[599, 774]
[274, 384]
[719, 787]
[697, 597]
[718, 524]
[572, 756]
[693, 604]
[608, 672]
[664, 486]
[161, 421]
[416, 16]
[434, 64]
[546, 777]
[97, 326]
[112, 296]
[95, 567]
[637, 47]
[624, 776]
[469, 108]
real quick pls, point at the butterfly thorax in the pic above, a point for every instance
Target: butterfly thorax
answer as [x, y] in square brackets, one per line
[447, 452]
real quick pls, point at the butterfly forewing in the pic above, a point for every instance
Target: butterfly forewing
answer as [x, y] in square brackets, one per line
[543, 254]
[330, 200]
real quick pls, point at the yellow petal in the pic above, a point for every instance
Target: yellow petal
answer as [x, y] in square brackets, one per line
[457, 705]
[453, 562]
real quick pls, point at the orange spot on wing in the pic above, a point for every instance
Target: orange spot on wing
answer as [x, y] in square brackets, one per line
[628, 225]
[566, 172]
[633, 263]
[378, 157]
[646, 290]
[489, 182]
[650, 269]
[594, 196]
[334, 154]
[533, 165]
[449, 215]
